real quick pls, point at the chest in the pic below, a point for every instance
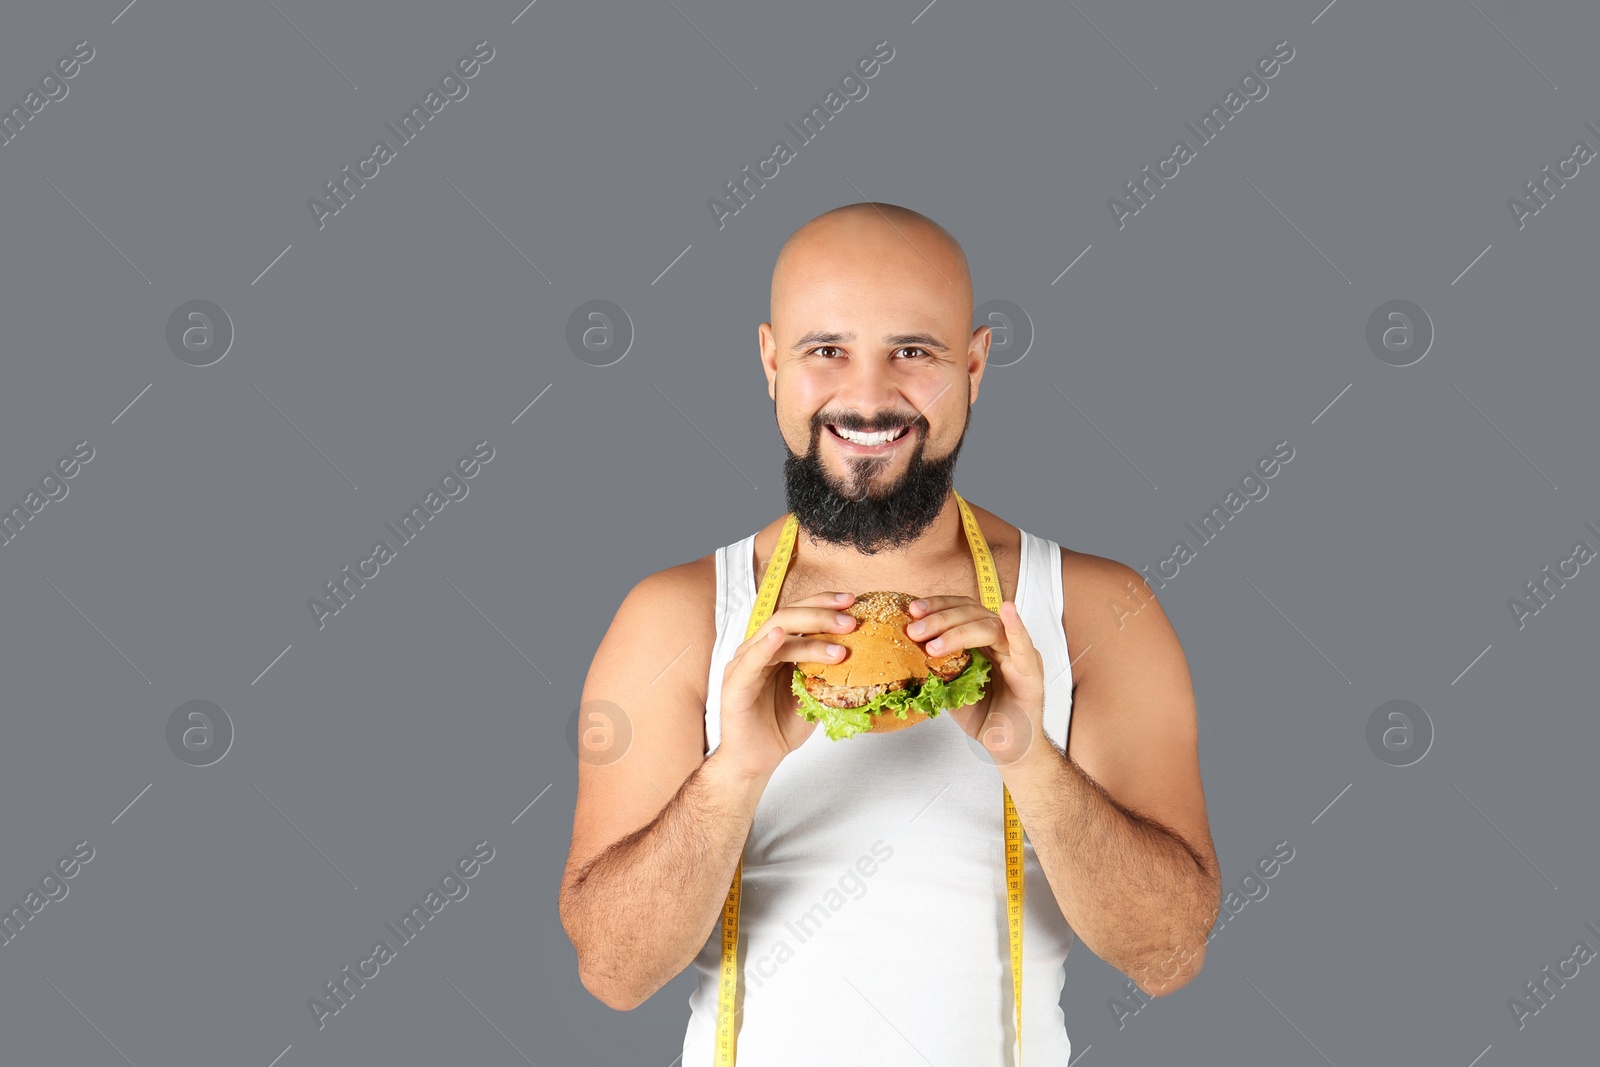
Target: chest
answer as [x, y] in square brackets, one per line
[959, 577]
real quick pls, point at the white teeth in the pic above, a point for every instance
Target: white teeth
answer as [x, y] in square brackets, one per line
[867, 438]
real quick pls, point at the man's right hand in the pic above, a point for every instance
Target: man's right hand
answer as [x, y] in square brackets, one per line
[759, 721]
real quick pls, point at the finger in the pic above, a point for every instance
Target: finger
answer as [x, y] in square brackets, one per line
[748, 668]
[759, 660]
[798, 649]
[1021, 650]
[798, 619]
[755, 654]
[828, 596]
[980, 633]
[929, 604]
[775, 647]
[946, 619]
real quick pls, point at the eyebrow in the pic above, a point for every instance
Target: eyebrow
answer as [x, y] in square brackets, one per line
[828, 337]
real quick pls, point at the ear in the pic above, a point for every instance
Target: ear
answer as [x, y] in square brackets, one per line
[769, 356]
[978, 358]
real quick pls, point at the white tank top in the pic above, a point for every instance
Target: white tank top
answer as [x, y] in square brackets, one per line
[872, 918]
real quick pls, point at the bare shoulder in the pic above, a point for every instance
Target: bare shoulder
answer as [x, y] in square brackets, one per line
[1102, 599]
[680, 603]
[1087, 570]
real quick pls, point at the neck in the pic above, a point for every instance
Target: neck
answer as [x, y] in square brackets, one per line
[942, 541]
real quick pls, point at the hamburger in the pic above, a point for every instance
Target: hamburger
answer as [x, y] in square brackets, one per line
[885, 681]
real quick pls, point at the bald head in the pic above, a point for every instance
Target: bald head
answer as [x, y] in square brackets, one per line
[877, 245]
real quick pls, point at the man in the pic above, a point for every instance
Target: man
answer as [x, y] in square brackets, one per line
[873, 906]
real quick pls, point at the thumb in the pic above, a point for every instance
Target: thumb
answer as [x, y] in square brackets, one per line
[1023, 656]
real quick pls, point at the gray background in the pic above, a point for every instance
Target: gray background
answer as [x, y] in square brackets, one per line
[1228, 315]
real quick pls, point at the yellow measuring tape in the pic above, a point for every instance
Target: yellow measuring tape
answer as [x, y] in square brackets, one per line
[766, 603]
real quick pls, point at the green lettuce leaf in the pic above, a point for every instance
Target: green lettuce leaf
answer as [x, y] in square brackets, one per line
[933, 696]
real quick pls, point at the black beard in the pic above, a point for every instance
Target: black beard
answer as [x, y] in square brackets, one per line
[868, 517]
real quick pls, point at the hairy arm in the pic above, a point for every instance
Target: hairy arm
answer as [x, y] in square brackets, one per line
[640, 911]
[659, 827]
[1118, 821]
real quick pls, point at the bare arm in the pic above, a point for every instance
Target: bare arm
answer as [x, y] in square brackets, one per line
[641, 911]
[1119, 820]
[1138, 894]
[659, 825]
[655, 824]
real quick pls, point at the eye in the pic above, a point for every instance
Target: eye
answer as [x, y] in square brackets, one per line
[823, 350]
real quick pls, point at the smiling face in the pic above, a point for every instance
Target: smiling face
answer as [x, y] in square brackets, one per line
[871, 339]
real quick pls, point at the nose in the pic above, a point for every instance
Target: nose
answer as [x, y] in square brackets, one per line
[871, 390]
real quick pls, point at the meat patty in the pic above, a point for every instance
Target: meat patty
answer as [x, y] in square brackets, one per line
[847, 696]
[948, 668]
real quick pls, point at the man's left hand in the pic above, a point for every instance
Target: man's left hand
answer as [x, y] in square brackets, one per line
[1009, 719]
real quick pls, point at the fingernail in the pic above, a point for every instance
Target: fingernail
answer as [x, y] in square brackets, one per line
[916, 628]
[834, 650]
[842, 619]
[840, 598]
[918, 605]
[936, 644]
